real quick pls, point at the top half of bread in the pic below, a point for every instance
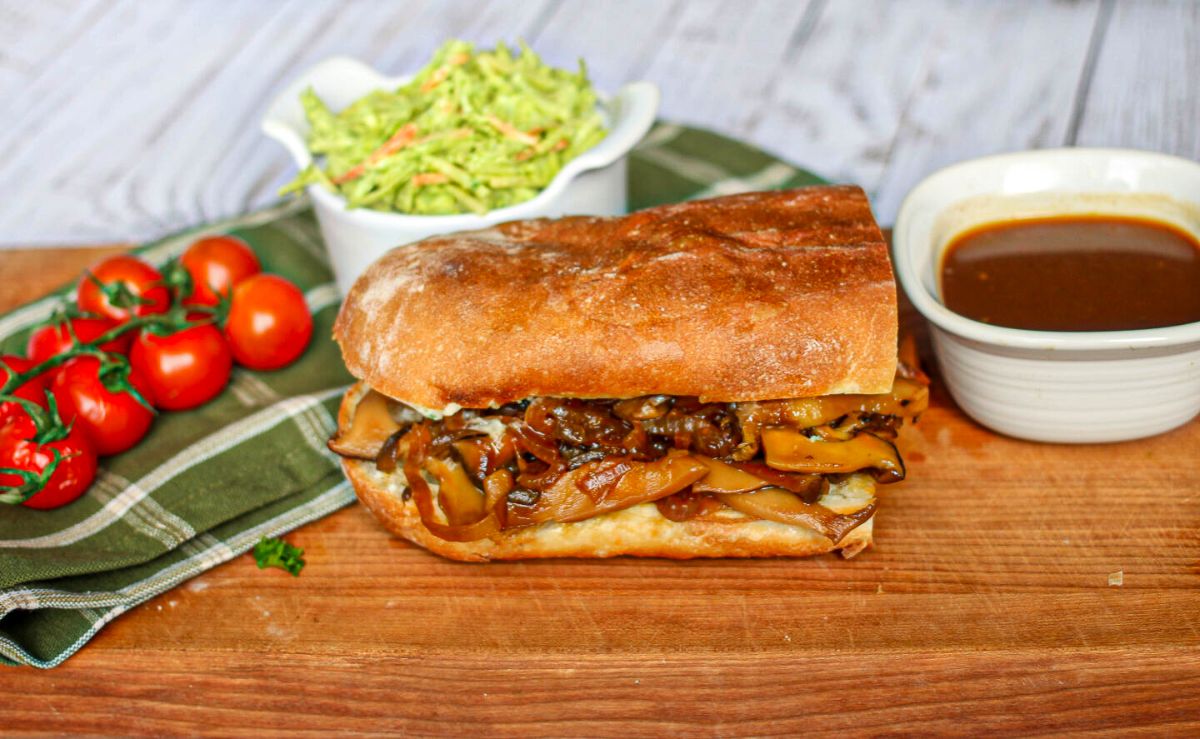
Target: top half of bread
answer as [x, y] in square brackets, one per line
[756, 296]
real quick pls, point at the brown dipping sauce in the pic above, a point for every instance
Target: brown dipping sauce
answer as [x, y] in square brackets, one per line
[1074, 273]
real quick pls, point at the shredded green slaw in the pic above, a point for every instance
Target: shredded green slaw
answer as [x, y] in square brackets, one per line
[471, 132]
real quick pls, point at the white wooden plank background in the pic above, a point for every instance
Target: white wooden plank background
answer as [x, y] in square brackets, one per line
[124, 120]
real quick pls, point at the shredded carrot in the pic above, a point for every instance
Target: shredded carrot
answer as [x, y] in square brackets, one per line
[441, 73]
[429, 178]
[533, 150]
[453, 135]
[402, 138]
[510, 131]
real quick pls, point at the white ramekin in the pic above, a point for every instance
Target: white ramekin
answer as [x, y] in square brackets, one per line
[1070, 387]
[593, 183]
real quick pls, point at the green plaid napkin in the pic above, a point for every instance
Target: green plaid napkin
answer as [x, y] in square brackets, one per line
[206, 484]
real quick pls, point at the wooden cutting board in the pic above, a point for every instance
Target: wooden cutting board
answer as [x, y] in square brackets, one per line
[1014, 587]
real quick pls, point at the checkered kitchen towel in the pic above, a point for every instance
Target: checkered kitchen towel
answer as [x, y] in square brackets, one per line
[206, 484]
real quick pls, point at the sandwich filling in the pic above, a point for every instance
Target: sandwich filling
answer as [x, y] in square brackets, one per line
[476, 473]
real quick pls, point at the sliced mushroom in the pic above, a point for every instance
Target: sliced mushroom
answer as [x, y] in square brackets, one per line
[789, 450]
[460, 501]
[370, 426]
[776, 504]
[725, 478]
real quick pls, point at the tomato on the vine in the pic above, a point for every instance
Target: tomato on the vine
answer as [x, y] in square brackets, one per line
[55, 338]
[184, 369]
[62, 468]
[269, 324]
[112, 418]
[131, 288]
[217, 264]
[33, 390]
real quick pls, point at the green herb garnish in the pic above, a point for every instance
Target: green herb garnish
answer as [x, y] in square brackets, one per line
[473, 131]
[278, 553]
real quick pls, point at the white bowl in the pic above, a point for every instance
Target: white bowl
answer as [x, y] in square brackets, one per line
[1071, 387]
[592, 183]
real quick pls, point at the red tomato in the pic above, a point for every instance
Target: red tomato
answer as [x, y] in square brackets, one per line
[269, 324]
[217, 264]
[184, 370]
[32, 390]
[114, 421]
[139, 278]
[75, 471]
[55, 338]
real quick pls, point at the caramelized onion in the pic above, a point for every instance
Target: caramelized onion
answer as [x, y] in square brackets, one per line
[417, 446]
[531, 441]
[600, 483]
[645, 407]
[539, 477]
[565, 500]
[558, 459]
[496, 488]
[709, 429]
[389, 453]
[775, 504]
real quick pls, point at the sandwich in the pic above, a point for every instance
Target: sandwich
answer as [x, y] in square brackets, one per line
[716, 378]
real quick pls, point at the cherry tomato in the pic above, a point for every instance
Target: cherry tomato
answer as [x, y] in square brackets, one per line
[33, 390]
[76, 466]
[217, 264]
[114, 421]
[185, 369]
[140, 279]
[55, 338]
[269, 324]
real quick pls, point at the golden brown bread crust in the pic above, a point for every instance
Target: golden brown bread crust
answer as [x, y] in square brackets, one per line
[746, 297]
[638, 531]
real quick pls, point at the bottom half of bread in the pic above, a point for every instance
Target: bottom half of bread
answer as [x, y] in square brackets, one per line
[639, 530]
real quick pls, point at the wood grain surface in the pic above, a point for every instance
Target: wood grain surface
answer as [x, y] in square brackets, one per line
[984, 608]
[125, 120]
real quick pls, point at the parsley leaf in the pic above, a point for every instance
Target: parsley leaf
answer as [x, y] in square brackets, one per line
[278, 553]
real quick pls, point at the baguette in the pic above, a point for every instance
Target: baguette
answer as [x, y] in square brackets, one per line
[716, 378]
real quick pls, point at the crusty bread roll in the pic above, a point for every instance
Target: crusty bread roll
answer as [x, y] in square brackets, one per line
[757, 297]
[747, 297]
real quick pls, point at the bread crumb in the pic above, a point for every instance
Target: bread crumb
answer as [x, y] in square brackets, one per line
[1116, 579]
